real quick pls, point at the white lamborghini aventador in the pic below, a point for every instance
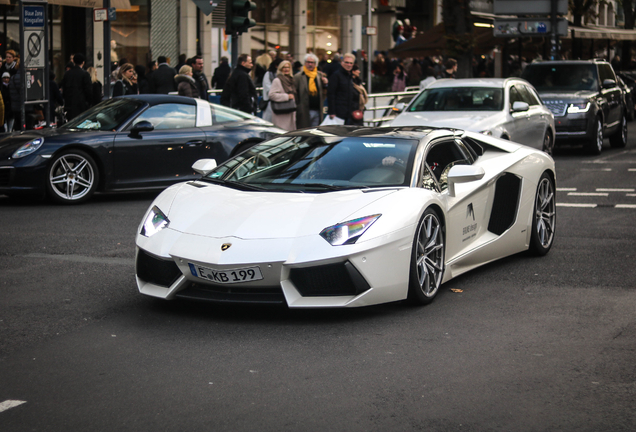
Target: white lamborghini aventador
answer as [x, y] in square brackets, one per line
[340, 216]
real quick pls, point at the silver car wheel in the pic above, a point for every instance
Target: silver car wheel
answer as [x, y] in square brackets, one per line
[545, 214]
[72, 177]
[429, 255]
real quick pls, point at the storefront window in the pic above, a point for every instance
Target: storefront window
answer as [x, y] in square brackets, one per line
[323, 27]
[130, 34]
[273, 12]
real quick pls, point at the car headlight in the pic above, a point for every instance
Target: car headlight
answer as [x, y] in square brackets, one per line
[28, 148]
[580, 107]
[154, 222]
[348, 232]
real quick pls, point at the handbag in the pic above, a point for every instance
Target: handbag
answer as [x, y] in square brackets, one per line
[357, 115]
[284, 107]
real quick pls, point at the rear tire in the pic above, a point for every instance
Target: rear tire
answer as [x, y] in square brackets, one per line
[619, 139]
[548, 143]
[427, 259]
[543, 217]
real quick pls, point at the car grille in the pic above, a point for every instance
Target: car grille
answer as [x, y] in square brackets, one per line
[341, 279]
[232, 294]
[578, 125]
[557, 107]
[156, 271]
[5, 176]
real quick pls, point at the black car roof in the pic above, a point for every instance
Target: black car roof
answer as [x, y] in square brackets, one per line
[154, 99]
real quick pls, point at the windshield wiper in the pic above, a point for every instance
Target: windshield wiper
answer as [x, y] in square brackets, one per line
[234, 184]
[330, 187]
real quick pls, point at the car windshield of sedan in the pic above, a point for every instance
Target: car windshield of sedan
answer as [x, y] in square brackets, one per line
[319, 164]
[562, 77]
[459, 99]
[105, 116]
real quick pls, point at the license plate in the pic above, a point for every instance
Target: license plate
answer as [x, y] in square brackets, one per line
[246, 274]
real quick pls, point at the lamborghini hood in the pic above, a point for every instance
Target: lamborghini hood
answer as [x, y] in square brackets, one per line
[218, 211]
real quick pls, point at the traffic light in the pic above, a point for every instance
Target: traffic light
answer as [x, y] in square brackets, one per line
[236, 16]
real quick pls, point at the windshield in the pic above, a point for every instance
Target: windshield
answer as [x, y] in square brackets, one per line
[105, 116]
[459, 99]
[320, 164]
[561, 77]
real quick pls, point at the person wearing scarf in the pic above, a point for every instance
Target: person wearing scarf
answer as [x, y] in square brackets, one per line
[125, 84]
[282, 90]
[360, 96]
[311, 98]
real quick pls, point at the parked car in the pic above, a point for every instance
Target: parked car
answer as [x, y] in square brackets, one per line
[586, 100]
[504, 108]
[342, 216]
[125, 143]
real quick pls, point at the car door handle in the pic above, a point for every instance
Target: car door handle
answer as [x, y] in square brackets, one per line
[194, 143]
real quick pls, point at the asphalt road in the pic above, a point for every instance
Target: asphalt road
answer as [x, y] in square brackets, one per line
[523, 344]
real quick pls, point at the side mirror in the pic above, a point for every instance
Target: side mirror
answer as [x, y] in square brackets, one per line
[609, 83]
[463, 174]
[204, 166]
[520, 106]
[142, 126]
[399, 107]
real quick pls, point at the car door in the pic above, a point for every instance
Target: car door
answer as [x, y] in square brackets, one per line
[612, 95]
[538, 116]
[466, 211]
[162, 156]
[521, 126]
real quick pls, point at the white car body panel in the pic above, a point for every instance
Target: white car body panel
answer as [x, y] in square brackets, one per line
[280, 231]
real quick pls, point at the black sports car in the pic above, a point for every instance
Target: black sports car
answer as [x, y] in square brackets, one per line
[125, 143]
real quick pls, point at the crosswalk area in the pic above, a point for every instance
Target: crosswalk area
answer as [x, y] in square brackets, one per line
[622, 198]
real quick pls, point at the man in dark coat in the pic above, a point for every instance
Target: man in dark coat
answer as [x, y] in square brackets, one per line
[239, 91]
[162, 80]
[309, 84]
[340, 91]
[77, 88]
[221, 74]
[199, 77]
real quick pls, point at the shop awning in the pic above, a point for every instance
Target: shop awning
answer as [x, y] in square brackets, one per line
[118, 4]
[593, 32]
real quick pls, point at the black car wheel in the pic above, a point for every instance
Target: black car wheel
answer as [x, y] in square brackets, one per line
[427, 259]
[544, 216]
[548, 143]
[72, 177]
[619, 139]
[595, 145]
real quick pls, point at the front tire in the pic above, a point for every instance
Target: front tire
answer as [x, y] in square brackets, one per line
[595, 146]
[72, 177]
[544, 217]
[548, 143]
[619, 139]
[427, 259]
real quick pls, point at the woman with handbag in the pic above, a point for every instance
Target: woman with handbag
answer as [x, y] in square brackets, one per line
[360, 97]
[283, 96]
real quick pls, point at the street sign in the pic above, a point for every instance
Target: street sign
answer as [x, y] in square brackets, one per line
[370, 31]
[512, 27]
[34, 52]
[207, 6]
[33, 16]
[100, 15]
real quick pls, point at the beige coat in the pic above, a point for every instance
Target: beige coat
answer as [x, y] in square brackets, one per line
[277, 94]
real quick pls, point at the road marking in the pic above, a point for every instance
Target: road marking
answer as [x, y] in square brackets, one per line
[596, 169]
[630, 195]
[588, 193]
[575, 205]
[631, 169]
[631, 206]
[8, 404]
[613, 190]
[566, 189]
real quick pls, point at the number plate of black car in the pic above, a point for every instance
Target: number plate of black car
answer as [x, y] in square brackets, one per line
[245, 274]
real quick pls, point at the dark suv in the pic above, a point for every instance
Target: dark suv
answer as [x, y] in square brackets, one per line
[585, 99]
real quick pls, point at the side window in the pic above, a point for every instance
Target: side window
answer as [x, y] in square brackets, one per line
[606, 72]
[529, 96]
[170, 116]
[515, 96]
[442, 157]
